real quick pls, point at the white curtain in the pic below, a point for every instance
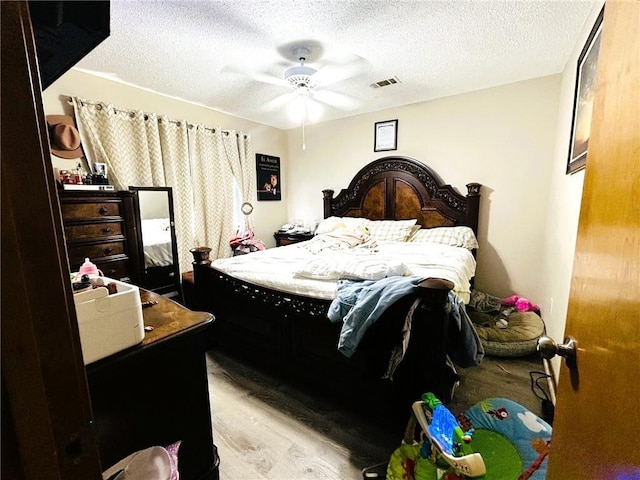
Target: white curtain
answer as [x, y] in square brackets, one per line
[238, 151]
[216, 163]
[177, 175]
[145, 149]
[128, 142]
[142, 149]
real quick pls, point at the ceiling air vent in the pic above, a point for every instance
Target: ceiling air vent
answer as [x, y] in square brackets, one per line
[385, 83]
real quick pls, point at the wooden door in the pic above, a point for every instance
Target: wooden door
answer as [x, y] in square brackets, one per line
[598, 403]
[46, 412]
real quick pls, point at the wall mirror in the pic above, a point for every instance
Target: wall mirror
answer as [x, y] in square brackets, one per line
[157, 240]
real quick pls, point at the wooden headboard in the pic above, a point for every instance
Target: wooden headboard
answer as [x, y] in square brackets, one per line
[400, 188]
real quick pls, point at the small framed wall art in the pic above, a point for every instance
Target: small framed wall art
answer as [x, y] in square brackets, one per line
[268, 177]
[583, 99]
[385, 136]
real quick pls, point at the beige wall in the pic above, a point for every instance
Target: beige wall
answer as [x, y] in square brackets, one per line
[565, 195]
[267, 216]
[503, 138]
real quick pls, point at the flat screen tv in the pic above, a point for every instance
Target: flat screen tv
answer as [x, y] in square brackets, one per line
[65, 31]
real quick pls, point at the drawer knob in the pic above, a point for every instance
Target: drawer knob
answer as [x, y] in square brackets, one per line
[103, 210]
[110, 272]
[108, 250]
[106, 230]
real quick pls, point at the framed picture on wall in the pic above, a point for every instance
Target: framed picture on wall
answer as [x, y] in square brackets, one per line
[583, 99]
[268, 177]
[385, 136]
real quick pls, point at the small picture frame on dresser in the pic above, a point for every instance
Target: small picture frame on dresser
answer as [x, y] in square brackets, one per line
[100, 174]
[100, 169]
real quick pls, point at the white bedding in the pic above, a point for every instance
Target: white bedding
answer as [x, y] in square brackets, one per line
[156, 234]
[296, 269]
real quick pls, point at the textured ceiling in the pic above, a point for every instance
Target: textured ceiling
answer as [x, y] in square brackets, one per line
[231, 55]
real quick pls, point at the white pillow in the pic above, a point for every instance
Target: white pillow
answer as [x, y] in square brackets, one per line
[391, 230]
[454, 236]
[331, 223]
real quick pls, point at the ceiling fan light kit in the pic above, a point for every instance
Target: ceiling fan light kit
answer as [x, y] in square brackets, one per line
[300, 75]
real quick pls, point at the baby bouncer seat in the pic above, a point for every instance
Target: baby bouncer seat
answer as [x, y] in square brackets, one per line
[496, 439]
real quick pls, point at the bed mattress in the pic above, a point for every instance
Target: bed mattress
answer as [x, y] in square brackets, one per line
[301, 270]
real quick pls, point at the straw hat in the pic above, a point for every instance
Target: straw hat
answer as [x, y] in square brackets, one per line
[64, 137]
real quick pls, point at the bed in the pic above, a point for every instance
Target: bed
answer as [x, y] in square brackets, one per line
[268, 324]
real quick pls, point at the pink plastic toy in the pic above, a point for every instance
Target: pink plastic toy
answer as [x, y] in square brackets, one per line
[521, 304]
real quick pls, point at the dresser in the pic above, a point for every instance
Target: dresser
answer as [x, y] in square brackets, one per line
[101, 226]
[157, 392]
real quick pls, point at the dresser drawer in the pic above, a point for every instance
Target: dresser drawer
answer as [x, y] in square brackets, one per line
[117, 270]
[101, 226]
[79, 232]
[79, 211]
[96, 251]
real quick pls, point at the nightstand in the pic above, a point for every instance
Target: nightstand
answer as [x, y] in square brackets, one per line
[284, 238]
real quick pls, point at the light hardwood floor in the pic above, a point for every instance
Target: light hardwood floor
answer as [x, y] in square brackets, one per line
[268, 428]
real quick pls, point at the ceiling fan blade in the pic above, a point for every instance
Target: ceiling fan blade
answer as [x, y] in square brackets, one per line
[257, 76]
[335, 99]
[280, 101]
[268, 78]
[334, 73]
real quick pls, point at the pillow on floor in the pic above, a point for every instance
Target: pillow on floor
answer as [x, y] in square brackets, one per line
[524, 439]
[520, 338]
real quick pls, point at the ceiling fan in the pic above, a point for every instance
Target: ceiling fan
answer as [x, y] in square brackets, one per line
[310, 84]
[307, 85]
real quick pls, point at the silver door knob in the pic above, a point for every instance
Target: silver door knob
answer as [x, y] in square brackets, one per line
[548, 348]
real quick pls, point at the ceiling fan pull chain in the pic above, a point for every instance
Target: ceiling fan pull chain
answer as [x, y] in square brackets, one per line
[304, 118]
[304, 146]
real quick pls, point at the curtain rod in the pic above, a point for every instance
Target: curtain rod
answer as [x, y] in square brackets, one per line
[176, 122]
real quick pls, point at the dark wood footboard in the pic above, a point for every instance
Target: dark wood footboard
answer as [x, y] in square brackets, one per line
[292, 335]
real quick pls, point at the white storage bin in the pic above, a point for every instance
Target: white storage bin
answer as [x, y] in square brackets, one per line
[108, 323]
